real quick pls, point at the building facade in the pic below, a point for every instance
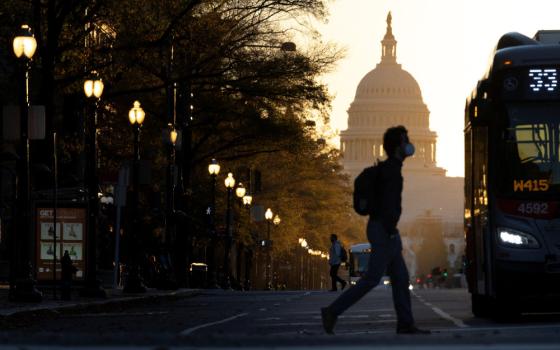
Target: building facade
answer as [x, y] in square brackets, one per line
[389, 96]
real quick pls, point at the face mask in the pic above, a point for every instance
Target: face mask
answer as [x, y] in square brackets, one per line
[409, 149]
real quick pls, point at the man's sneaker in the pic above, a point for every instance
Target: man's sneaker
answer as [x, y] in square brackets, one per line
[329, 320]
[343, 285]
[412, 330]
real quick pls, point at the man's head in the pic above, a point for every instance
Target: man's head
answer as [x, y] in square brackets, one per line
[396, 143]
[333, 237]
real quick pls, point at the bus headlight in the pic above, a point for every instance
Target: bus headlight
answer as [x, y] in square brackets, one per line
[513, 238]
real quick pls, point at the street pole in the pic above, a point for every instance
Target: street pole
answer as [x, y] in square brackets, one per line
[169, 199]
[23, 288]
[133, 282]
[268, 257]
[247, 200]
[228, 239]
[92, 287]
[211, 250]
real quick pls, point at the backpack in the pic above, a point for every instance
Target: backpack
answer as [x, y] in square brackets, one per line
[343, 254]
[364, 190]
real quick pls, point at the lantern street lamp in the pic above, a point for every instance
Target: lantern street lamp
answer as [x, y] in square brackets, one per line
[276, 220]
[268, 215]
[240, 191]
[247, 200]
[230, 183]
[22, 284]
[93, 89]
[213, 170]
[93, 86]
[173, 136]
[133, 283]
[24, 43]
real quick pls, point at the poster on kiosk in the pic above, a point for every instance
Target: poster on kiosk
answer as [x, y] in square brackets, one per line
[69, 235]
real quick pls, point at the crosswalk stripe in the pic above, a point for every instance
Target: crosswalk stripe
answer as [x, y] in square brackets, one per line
[457, 322]
[192, 329]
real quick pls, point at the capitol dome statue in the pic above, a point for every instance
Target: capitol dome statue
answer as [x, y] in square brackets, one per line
[389, 96]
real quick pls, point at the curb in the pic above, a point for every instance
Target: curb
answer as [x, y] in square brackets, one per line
[8, 317]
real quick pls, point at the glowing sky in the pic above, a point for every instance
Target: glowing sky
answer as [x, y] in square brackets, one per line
[444, 44]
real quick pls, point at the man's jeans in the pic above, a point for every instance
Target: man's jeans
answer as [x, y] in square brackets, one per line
[386, 255]
[334, 276]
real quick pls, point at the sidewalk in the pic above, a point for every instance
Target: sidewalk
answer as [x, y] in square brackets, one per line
[115, 298]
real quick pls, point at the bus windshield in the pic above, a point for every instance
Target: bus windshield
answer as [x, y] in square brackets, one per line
[531, 165]
[360, 262]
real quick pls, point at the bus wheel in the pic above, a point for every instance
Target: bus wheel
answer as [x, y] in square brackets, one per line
[481, 306]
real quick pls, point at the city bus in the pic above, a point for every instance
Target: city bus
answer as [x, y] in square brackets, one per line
[358, 260]
[512, 178]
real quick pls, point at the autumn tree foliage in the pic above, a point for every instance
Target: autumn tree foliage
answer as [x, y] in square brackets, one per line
[216, 70]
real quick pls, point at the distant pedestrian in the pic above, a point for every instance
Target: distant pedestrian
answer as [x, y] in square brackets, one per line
[68, 271]
[335, 260]
[382, 233]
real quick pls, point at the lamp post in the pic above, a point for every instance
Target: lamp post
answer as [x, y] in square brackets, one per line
[214, 170]
[240, 193]
[304, 246]
[133, 282]
[247, 201]
[22, 285]
[276, 222]
[230, 183]
[93, 89]
[268, 215]
[170, 187]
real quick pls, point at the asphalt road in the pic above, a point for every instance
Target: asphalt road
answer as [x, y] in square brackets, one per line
[227, 319]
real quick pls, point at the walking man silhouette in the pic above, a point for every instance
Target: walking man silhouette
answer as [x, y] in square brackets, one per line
[382, 234]
[335, 260]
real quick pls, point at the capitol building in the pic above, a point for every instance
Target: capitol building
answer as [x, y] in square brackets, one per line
[389, 96]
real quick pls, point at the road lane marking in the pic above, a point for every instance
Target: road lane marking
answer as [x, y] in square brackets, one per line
[119, 314]
[350, 311]
[319, 324]
[192, 329]
[457, 322]
[499, 328]
[345, 316]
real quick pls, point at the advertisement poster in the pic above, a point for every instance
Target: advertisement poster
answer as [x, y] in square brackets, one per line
[73, 231]
[47, 231]
[48, 250]
[70, 236]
